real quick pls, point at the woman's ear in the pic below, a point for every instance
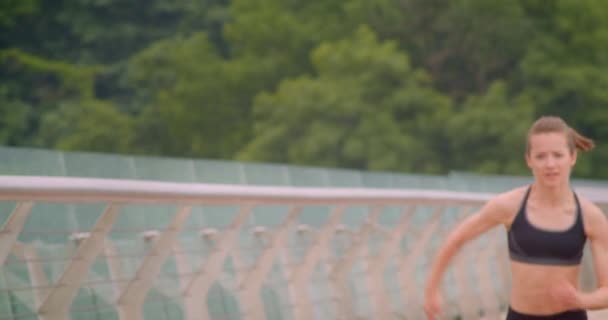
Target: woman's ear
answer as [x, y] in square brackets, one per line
[574, 156]
[527, 156]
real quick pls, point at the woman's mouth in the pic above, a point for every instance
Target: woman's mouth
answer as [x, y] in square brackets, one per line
[551, 175]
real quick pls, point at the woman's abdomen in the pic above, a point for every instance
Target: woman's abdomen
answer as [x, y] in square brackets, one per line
[531, 286]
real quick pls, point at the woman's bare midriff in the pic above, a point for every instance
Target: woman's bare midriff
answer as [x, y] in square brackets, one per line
[531, 284]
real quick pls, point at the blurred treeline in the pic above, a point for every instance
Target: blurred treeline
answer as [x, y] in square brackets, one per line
[423, 86]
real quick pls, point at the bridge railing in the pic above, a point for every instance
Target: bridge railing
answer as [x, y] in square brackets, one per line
[239, 252]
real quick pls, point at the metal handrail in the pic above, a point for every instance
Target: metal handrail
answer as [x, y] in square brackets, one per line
[88, 190]
[52, 301]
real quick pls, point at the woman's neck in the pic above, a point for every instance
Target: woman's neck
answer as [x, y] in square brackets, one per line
[552, 196]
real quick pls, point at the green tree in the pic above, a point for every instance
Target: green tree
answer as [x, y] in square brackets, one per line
[104, 31]
[488, 134]
[11, 10]
[288, 81]
[464, 44]
[31, 86]
[279, 35]
[14, 118]
[566, 73]
[87, 125]
[195, 101]
[366, 108]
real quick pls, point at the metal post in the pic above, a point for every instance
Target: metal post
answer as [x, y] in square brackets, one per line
[375, 274]
[339, 275]
[468, 303]
[130, 303]
[39, 281]
[407, 269]
[254, 279]
[303, 310]
[12, 227]
[57, 303]
[488, 294]
[195, 295]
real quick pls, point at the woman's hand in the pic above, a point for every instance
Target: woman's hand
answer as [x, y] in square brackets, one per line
[565, 294]
[432, 304]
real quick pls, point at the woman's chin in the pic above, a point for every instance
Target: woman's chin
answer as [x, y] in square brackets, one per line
[552, 183]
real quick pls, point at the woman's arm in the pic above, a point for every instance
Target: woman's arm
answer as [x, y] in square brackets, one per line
[598, 235]
[490, 215]
[596, 227]
[495, 212]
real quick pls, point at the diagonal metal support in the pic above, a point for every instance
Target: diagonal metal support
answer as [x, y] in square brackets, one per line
[20, 296]
[502, 266]
[57, 303]
[195, 295]
[488, 294]
[12, 227]
[407, 270]
[254, 279]
[117, 275]
[233, 281]
[467, 302]
[340, 273]
[286, 260]
[182, 264]
[130, 303]
[303, 310]
[39, 281]
[377, 265]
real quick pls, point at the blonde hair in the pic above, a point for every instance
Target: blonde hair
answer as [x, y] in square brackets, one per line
[552, 124]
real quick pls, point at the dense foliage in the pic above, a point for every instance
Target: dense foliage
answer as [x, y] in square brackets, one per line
[423, 86]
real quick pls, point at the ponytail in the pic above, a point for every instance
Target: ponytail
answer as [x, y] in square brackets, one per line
[581, 142]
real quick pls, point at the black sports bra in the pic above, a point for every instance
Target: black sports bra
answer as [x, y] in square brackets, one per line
[531, 244]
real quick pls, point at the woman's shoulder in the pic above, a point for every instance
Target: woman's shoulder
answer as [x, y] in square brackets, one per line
[591, 212]
[505, 205]
[594, 220]
[511, 199]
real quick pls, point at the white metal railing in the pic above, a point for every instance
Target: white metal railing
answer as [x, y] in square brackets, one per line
[336, 296]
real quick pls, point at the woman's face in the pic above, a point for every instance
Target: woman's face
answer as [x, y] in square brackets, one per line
[550, 159]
